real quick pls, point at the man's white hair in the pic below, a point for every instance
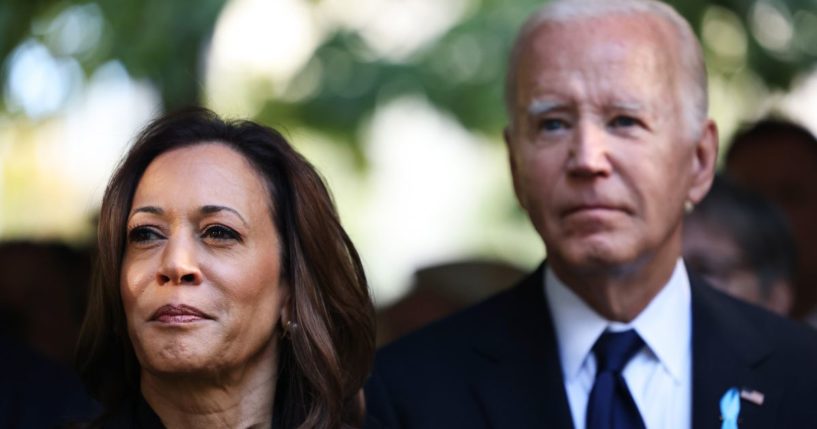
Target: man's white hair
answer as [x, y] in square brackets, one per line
[692, 92]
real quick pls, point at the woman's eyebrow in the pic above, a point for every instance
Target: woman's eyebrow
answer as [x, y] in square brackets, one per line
[147, 209]
[211, 208]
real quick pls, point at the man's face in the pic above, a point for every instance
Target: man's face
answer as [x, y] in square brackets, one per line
[600, 159]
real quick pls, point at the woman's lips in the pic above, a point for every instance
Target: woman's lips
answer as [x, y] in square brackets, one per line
[178, 314]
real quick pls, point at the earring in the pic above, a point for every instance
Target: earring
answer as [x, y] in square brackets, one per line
[688, 206]
[290, 327]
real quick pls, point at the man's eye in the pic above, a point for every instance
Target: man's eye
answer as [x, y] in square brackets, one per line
[220, 233]
[623, 122]
[552, 124]
[142, 234]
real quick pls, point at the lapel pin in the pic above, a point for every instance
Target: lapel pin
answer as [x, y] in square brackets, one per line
[752, 396]
[730, 409]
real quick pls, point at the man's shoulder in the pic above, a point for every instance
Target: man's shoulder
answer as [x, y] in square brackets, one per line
[445, 374]
[746, 325]
[791, 338]
[505, 322]
[735, 344]
[453, 332]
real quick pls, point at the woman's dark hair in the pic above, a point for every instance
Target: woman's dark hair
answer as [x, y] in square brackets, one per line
[322, 364]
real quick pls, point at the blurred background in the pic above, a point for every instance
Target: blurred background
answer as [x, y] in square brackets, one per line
[397, 102]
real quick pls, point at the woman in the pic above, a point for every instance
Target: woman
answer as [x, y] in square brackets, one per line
[227, 294]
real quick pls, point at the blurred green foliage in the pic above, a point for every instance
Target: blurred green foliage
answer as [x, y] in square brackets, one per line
[461, 73]
[158, 40]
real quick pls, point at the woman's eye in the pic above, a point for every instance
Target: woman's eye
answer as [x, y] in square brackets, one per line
[220, 233]
[623, 122]
[142, 234]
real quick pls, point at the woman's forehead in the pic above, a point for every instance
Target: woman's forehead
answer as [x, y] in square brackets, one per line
[201, 174]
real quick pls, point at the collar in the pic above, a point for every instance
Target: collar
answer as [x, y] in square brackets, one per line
[665, 324]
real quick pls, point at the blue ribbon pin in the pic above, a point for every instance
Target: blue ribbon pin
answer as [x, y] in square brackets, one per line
[730, 408]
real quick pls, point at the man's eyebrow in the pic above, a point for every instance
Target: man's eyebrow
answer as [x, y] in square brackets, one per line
[538, 107]
[629, 106]
[211, 208]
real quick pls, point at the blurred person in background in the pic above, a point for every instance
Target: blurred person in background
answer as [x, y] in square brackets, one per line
[778, 160]
[742, 245]
[42, 290]
[227, 293]
[440, 290]
[43, 287]
[610, 143]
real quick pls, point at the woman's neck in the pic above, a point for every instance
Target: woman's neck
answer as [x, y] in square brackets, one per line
[241, 397]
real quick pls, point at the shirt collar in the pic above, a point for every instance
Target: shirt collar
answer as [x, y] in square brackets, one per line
[664, 325]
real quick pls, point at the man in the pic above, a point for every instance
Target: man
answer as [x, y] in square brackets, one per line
[609, 142]
[741, 244]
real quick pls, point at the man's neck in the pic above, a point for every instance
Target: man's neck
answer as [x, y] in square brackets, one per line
[619, 293]
[241, 398]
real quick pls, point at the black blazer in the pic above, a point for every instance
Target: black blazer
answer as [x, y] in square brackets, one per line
[496, 365]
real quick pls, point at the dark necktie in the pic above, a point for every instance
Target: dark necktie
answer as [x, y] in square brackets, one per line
[610, 404]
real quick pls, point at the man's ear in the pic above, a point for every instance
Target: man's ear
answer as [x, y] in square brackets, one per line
[507, 134]
[703, 162]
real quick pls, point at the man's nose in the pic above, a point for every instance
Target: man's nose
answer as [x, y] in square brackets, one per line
[179, 264]
[588, 154]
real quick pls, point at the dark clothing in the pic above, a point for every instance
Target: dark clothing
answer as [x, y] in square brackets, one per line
[137, 414]
[133, 414]
[496, 365]
[38, 393]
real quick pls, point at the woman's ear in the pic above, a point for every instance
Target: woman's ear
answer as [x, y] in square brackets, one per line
[286, 304]
[285, 321]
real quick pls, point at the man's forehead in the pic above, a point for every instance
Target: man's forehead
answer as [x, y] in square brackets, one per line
[593, 49]
[590, 32]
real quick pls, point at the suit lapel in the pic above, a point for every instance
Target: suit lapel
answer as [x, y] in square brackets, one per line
[725, 351]
[517, 377]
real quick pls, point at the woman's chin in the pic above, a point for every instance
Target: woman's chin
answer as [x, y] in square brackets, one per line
[179, 359]
[176, 371]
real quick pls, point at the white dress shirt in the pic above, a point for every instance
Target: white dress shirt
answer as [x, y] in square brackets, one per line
[659, 376]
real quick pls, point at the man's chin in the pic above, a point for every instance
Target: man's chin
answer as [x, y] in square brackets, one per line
[591, 257]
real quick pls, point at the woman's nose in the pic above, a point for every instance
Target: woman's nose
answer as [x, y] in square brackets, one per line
[179, 265]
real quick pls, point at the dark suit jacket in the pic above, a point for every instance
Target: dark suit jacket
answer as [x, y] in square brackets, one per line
[496, 365]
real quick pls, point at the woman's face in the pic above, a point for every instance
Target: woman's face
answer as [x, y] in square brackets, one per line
[200, 278]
